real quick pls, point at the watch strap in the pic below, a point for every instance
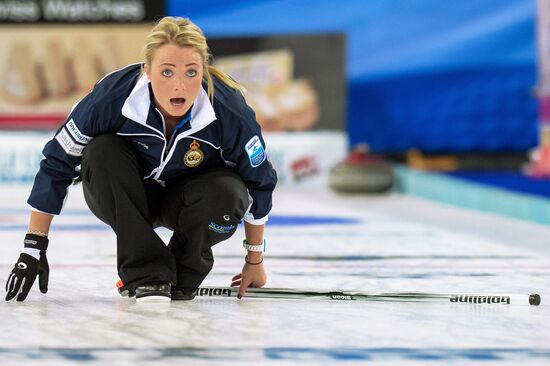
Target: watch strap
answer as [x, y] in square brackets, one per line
[254, 247]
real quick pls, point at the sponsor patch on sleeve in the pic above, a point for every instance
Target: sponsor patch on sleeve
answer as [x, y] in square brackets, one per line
[255, 151]
[68, 144]
[76, 134]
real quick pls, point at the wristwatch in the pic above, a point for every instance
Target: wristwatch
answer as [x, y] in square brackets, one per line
[254, 247]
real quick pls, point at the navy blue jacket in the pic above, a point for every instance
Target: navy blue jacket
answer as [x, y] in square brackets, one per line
[225, 132]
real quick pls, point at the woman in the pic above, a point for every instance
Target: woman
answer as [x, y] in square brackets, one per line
[172, 143]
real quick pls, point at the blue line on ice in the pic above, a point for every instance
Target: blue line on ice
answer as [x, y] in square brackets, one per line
[274, 220]
[278, 353]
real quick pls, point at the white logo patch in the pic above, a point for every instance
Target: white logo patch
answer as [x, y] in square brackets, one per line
[67, 143]
[255, 151]
[21, 265]
[75, 132]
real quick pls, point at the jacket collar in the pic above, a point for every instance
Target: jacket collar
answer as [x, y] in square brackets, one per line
[136, 106]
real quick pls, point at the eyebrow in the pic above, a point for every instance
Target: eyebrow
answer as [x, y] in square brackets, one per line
[169, 64]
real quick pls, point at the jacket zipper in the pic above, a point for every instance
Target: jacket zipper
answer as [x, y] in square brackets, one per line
[165, 148]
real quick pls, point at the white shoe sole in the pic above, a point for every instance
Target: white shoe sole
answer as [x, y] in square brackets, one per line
[153, 298]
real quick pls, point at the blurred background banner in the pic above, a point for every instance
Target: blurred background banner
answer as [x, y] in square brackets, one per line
[543, 38]
[54, 51]
[293, 82]
[46, 69]
[79, 11]
[435, 75]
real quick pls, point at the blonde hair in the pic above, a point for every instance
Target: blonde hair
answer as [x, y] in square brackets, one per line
[184, 33]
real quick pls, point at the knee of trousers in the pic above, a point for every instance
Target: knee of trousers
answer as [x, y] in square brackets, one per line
[222, 202]
[108, 154]
[229, 196]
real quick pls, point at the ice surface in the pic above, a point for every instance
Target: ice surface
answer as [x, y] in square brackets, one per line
[389, 243]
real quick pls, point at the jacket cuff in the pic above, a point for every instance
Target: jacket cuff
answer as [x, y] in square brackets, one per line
[47, 213]
[249, 218]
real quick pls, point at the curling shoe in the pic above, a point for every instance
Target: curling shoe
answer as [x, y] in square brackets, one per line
[153, 292]
[181, 295]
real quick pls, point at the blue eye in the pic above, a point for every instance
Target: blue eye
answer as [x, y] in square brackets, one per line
[167, 73]
[191, 73]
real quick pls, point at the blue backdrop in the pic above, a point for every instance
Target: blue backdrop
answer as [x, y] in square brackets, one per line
[439, 75]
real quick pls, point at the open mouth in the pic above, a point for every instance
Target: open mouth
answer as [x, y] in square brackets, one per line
[177, 101]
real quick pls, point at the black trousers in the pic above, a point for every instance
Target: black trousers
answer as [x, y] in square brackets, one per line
[202, 210]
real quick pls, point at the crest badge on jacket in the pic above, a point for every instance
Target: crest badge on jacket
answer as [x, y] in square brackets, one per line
[194, 155]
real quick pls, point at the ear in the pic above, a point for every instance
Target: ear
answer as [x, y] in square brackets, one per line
[147, 70]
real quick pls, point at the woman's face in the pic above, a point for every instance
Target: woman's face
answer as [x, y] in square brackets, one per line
[176, 75]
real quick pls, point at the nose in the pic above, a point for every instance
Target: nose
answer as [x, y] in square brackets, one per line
[180, 84]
